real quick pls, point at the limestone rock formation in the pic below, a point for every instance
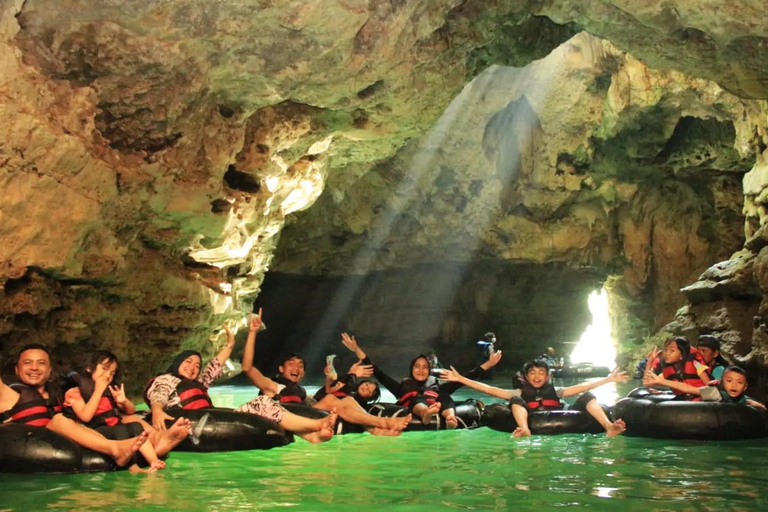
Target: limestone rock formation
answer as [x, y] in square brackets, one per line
[152, 152]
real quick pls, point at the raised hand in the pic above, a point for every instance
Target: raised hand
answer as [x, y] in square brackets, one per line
[450, 375]
[101, 382]
[349, 341]
[651, 379]
[493, 360]
[254, 322]
[118, 393]
[361, 370]
[618, 376]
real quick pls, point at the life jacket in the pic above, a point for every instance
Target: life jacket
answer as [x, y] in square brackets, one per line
[193, 395]
[292, 393]
[544, 398]
[31, 408]
[412, 389]
[687, 374]
[107, 412]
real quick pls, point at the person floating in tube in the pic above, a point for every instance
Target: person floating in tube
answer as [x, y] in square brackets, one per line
[485, 348]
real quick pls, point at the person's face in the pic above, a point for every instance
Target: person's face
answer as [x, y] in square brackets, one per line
[190, 367]
[537, 377]
[709, 354]
[734, 384]
[34, 367]
[420, 370]
[366, 389]
[672, 353]
[105, 368]
[293, 369]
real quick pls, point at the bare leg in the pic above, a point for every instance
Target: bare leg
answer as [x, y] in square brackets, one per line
[520, 414]
[611, 428]
[302, 425]
[121, 451]
[451, 421]
[349, 410]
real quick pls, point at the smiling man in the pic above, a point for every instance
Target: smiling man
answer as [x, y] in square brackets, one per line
[31, 402]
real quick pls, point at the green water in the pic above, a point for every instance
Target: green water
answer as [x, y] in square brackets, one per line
[460, 470]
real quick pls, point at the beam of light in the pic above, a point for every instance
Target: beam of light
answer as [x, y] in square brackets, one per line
[596, 345]
[405, 202]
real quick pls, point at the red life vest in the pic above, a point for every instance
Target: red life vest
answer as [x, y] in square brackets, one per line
[107, 412]
[686, 372]
[544, 397]
[412, 389]
[193, 395]
[292, 393]
[31, 408]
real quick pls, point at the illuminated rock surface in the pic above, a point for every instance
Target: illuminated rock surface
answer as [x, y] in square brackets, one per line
[151, 153]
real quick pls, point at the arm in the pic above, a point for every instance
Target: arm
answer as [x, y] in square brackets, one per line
[265, 384]
[616, 376]
[653, 380]
[453, 376]
[158, 396]
[388, 382]
[225, 352]
[755, 403]
[122, 401]
[86, 410]
[451, 386]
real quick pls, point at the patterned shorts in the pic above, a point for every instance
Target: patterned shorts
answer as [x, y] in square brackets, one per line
[265, 407]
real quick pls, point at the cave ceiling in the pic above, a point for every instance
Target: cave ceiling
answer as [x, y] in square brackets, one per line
[152, 152]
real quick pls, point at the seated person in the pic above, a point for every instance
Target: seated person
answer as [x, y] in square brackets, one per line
[420, 392]
[353, 384]
[678, 363]
[538, 394]
[285, 388]
[184, 386]
[33, 403]
[709, 347]
[104, 408]
[730, 389]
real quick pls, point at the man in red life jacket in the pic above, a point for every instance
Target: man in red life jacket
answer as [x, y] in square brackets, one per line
[678, 363]
[30, 402]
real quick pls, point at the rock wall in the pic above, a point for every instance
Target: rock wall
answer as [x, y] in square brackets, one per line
[152, 152]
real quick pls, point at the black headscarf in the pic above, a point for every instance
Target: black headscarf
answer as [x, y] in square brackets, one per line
[174, 367]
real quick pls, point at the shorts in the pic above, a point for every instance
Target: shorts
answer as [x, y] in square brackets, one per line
[265, 407]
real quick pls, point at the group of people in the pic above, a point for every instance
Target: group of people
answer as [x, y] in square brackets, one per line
[95, 413]
[697, 373]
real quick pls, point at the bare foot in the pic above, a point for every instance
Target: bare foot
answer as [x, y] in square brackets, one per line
[451, 422]
[329, 422]
[397, 423]
[158, 464]
[376, 431]
[175, 434]
[615, 428]
[135, 469]
[521, 432]
[430, 413]
[122, 451]
[318, 436]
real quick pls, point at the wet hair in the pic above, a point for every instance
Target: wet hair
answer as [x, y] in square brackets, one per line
[735, 369]
[376, 394]
[536, 363]
[104, 356]
[413, 363]
[32, 346]
[174, 366]
[290, 356]
[683, 345]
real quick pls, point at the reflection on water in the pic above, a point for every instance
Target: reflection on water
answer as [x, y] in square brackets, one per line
[460, 470]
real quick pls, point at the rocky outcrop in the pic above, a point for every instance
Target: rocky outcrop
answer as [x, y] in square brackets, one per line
[152, 152]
